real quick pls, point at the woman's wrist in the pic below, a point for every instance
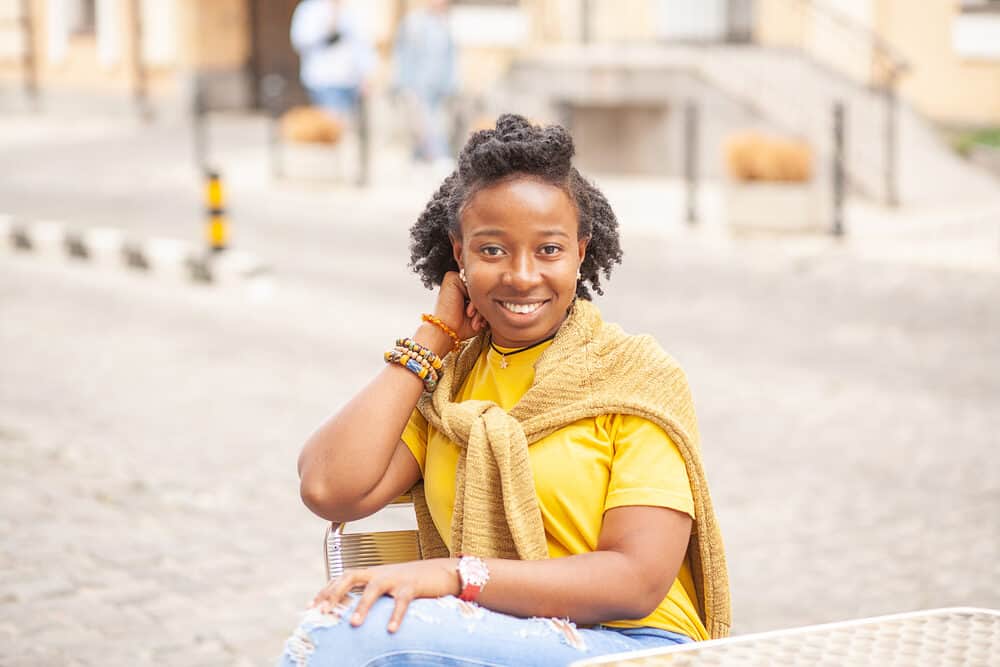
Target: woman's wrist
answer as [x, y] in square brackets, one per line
[434, 338]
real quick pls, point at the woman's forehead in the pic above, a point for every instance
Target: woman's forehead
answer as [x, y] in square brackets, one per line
[519, 203]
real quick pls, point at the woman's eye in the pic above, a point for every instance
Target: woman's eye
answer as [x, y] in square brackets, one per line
[550, 249]
[491, 250]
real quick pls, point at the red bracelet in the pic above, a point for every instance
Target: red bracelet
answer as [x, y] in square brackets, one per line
[473, 575]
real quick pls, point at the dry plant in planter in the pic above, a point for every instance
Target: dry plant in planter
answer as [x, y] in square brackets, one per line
[311, 125]
[771, 186]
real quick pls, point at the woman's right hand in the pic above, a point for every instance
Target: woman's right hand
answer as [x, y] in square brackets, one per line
[455, 309]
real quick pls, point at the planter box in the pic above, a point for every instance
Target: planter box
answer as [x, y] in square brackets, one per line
[777, 208]
[987, 157]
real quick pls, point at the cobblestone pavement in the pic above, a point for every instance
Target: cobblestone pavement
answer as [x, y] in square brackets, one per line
[148, 430]
[149, 434]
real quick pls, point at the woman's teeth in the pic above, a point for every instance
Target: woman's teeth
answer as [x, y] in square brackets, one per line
[522, 308]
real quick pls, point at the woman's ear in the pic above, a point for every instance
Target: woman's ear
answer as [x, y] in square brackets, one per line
[456, 249]
[583, 243]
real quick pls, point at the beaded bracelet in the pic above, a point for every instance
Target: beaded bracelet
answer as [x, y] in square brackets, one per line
[431, 319]
[420, 371]
[421, 351]
[426, 373]
[402, 356]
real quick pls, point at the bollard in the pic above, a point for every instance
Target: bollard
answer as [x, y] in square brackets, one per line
[891, 140]
[364, 142]
[691, 148]
[29, 63]
[217, 226]
[839, 185]
[272, 88]
[199, 128]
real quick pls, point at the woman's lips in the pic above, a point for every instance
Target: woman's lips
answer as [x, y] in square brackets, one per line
[521, 308]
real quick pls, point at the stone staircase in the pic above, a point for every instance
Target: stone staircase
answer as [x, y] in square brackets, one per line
[797, 94]
[747, 86]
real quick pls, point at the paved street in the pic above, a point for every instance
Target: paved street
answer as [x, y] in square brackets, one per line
[148, 430]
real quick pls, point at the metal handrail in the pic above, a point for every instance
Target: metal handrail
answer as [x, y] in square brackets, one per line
[898, 63]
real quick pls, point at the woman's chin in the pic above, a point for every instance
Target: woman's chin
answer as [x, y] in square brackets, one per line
[510, 329]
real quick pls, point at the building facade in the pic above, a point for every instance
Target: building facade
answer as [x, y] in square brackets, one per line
[157, 52]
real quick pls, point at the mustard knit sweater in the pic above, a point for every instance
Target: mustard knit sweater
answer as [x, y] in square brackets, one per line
[592, 368]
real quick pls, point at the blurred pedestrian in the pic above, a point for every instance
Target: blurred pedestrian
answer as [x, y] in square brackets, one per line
[337, 56]
[426, 76]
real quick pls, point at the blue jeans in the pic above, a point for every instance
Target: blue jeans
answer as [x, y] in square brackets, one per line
[427, 117]
[446, 632]
[338, 99]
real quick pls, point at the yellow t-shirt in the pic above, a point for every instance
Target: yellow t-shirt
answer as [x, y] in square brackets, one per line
[580, 471]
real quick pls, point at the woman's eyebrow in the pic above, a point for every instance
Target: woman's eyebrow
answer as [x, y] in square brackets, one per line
[501, 232]
[489, 232]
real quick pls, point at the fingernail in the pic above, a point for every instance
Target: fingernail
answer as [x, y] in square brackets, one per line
[356, 618]
[393, 627]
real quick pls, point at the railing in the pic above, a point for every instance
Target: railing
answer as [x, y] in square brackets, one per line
[867, 70]
[843, 43]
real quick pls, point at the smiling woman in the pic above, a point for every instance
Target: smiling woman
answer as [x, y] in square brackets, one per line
[520, 255]
[554, 459]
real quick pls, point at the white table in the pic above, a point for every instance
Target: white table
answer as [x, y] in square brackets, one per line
[937, 637]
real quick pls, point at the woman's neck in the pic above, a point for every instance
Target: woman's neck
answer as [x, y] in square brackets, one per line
[511, 343]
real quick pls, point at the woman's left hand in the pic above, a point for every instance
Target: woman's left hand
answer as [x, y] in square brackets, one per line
[431, 578]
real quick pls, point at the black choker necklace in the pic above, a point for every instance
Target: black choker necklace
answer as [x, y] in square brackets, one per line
[504, 355]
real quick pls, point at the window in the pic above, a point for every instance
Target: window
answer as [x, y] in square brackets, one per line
[82, 17]
[980, 5]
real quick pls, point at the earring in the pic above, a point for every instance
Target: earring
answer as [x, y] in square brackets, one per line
[578, 275]
[461, 276]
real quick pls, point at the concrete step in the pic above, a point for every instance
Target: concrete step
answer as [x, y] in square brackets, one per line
[743, 86]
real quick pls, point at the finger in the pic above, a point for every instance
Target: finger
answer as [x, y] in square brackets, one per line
[403, 598]
[324, 592]
[373, 591]
[337, 589]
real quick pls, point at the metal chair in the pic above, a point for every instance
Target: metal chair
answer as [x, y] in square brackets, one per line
[388, 536]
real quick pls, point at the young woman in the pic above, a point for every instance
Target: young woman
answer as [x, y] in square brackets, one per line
[562, 506]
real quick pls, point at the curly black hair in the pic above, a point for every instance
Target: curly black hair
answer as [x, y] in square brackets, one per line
[514, 148]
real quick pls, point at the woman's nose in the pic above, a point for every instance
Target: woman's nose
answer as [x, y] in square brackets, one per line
[522, 274]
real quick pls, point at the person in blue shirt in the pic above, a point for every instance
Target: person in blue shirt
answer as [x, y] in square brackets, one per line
[426, 75]
[337, 57]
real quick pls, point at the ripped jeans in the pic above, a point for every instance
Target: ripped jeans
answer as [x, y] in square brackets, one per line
[447, 632]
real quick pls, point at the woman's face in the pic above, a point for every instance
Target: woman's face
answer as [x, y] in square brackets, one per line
[521, 254]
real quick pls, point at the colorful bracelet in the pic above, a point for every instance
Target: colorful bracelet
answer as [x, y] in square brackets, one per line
[430, 319]
[421, 351]
[413, 364]
[403, 356]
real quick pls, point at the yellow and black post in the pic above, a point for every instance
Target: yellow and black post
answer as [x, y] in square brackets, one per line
[216, 222]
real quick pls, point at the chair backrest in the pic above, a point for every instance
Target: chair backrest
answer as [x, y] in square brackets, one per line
[388, 536]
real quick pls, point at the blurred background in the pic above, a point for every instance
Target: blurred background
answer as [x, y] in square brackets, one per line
[204, 208]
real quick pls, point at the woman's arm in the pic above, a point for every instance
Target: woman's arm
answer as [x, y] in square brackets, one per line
[638, 556]
[639, 553]
[355, 462]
